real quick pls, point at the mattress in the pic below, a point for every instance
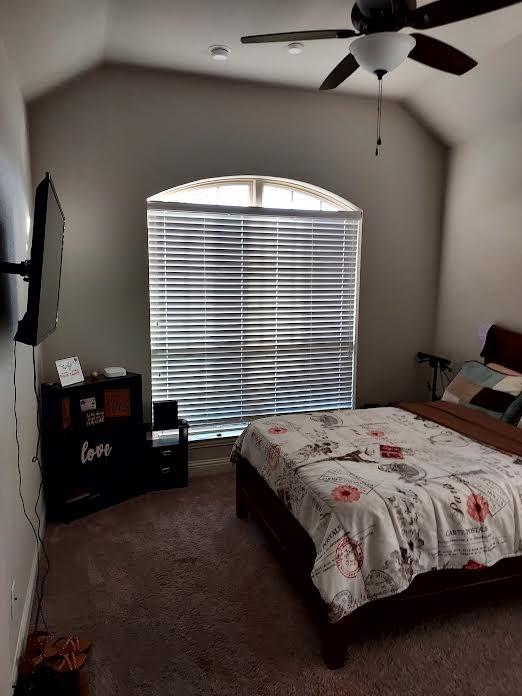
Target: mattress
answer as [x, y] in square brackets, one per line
[386, 494]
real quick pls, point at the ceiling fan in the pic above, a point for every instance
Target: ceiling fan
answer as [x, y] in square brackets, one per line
[380, 47]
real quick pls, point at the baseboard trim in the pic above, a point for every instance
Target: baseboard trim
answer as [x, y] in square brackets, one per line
[207, 467]
[26, 616]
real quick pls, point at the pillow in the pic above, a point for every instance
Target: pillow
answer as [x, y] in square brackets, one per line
[478, 386]
[504, 370]
[513, 413]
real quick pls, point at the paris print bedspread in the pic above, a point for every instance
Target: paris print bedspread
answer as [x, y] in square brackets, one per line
[386, 495]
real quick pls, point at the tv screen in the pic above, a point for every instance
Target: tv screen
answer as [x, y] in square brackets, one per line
[45, 266]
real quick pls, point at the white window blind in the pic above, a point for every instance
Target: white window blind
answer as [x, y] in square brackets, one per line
[252, 311]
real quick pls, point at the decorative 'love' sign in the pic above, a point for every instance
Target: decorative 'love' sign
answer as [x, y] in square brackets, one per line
[89, 453]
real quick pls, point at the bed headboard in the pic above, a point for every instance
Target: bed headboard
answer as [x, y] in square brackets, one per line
[503, 347]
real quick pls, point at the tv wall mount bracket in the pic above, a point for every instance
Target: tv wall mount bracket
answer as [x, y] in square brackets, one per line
[23, 268]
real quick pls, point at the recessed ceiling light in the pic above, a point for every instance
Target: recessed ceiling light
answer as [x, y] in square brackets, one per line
[219, 52]
[295, 48]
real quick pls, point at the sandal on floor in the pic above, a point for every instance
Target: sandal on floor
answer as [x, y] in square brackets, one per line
[39, 639]
[68, 662]
[40, 645]
[72, 644]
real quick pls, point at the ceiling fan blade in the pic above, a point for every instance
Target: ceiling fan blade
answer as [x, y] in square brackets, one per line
[341, 72]
[300, 36]
[440, 55]
[441, 12]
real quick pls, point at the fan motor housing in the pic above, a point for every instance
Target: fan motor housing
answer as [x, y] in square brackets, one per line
[391, 17]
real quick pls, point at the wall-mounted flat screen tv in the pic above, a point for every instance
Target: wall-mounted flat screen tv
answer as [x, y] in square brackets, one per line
[45, 266]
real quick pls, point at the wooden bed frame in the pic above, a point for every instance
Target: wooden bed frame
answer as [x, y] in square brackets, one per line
[429, 593]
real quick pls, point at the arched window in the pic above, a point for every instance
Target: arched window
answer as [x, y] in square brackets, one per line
[253, 299]
[266, 192]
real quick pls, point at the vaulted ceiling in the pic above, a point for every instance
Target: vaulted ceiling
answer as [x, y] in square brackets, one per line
[50, 41]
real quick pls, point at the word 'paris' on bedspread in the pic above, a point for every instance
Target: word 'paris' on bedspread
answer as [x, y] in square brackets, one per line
[387, 494]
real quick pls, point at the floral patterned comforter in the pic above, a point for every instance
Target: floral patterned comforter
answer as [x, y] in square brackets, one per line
[385, 495]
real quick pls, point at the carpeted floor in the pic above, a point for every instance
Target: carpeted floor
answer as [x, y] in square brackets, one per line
[181, 598]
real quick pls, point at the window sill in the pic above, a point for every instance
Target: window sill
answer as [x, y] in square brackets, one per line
[201, 441]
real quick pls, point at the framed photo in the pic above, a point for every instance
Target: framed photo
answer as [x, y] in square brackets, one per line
[69, 371]
[117, 403]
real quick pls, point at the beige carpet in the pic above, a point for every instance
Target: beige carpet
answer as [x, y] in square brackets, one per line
[182, 598]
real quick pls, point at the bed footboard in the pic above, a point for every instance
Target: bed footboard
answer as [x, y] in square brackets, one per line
[428, 594]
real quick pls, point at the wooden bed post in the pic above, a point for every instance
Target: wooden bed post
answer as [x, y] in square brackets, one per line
[241, 508]
[335, 644]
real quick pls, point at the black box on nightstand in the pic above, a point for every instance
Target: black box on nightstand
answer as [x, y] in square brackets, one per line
[168, 457]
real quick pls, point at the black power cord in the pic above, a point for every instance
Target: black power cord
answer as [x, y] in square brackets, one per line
[35, 530]
[36, 459]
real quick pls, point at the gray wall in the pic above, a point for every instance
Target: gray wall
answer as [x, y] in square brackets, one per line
[481, 270]
[17, 546]
[118, 135]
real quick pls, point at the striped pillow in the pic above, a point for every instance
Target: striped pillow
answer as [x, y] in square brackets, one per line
[480, 387]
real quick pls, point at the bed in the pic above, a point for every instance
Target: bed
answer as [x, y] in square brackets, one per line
[388, 511]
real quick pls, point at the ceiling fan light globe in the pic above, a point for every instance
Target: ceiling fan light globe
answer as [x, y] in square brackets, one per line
[383, 51]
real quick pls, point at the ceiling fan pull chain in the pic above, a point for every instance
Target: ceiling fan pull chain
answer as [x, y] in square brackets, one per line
[379, 116]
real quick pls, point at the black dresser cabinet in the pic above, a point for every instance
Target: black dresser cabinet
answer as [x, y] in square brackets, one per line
[93, 444]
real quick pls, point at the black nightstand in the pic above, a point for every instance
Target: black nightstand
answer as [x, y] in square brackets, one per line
[167, 455]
